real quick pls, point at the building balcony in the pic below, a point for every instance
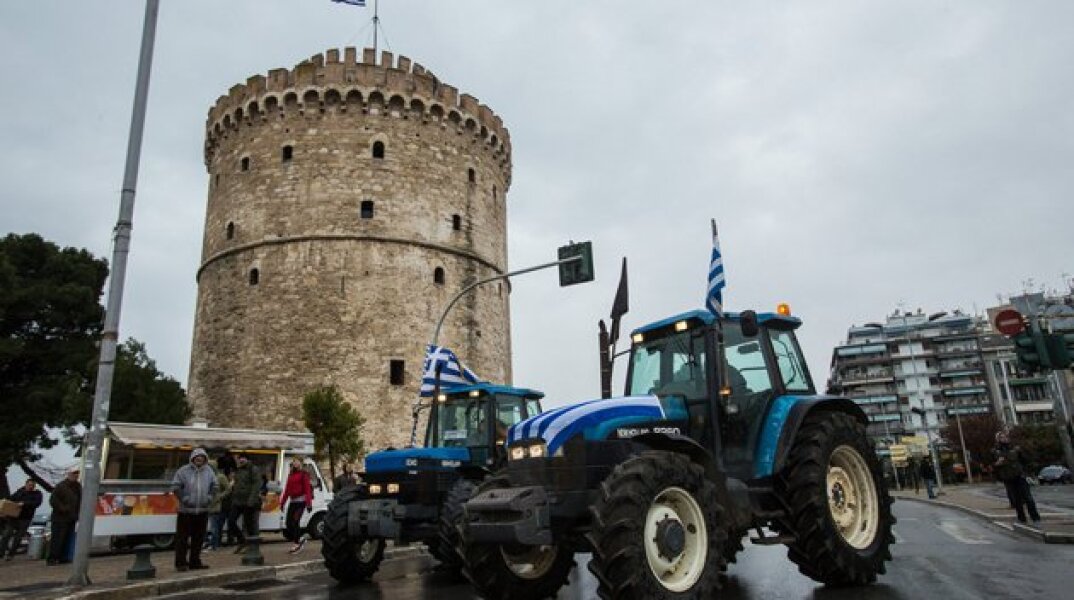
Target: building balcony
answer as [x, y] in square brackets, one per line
[968, 390]
[979, 409]
[878, 399]
[1028, 407]
[885, 417]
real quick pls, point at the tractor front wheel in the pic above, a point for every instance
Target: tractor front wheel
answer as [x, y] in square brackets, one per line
[658, 530]
[348, 560]
[445, 547]
[840, 509]
[514, 571]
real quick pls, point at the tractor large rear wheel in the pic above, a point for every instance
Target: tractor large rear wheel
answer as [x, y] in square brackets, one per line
[658, 530]
[514, 572]
[348, 559]
[840, 508]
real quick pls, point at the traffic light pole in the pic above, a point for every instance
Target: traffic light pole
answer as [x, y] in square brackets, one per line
[965, 453]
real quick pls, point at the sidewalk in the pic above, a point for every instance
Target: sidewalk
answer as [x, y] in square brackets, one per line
[981, 500]
[32, 579]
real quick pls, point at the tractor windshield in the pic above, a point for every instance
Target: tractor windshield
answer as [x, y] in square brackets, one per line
[462, 422]
[671, 365]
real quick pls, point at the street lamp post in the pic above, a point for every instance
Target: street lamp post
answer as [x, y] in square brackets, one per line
[965, 453]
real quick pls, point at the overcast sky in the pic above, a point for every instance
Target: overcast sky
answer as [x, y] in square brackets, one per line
[855, 154]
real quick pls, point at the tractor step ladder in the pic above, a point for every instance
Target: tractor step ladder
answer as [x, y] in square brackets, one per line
[771, 540]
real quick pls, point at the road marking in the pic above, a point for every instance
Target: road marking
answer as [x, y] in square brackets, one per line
[961, 533]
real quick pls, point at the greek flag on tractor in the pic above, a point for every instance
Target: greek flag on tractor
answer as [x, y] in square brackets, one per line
[452, 372]
[717, 281]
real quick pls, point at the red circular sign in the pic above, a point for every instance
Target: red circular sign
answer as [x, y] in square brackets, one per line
[1009, 322]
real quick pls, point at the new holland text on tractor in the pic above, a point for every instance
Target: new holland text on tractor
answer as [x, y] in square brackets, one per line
[416, 494]
[721, 433]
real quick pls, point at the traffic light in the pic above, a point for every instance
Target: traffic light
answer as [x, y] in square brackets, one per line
[576, 271]
[1060, 348]
[1032, 350]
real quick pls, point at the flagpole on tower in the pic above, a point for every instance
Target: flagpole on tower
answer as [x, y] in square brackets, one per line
[376, 24]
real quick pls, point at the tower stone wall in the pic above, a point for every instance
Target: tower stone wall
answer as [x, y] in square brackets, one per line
[348, 202]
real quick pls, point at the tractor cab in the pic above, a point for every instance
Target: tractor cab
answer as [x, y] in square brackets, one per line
[760, 363]
[476, 418]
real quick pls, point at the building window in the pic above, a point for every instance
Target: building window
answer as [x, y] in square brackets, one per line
[216, 180]
[456, 222]
[255, 276]
[378, 149]
[367, 209]
[230, 230]
[438, 276]
[471, 175]
[494, 192]
[396, 368]
[244, 164]
[287, 153]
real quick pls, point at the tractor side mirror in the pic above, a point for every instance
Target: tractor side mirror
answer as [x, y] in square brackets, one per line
[747, 319]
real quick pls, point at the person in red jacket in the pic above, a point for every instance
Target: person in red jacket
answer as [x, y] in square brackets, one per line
[299, 490]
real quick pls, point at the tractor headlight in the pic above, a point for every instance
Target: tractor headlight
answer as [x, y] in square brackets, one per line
[375, 489]
[538, 450]
[518, 452]
[393, 488]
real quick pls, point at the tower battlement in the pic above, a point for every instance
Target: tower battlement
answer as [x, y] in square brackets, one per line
[395, 87]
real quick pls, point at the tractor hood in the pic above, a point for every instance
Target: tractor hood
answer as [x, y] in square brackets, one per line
[595, 419]
[409, 459]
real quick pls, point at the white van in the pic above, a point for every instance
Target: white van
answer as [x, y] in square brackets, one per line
[138, 461]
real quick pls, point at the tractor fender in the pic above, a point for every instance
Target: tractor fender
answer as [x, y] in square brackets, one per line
[800, 410]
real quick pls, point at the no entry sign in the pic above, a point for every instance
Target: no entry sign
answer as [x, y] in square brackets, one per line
[1009, 322]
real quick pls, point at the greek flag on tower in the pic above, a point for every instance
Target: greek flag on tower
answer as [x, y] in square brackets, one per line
[717, 281]
[354, 2]
[452, 372]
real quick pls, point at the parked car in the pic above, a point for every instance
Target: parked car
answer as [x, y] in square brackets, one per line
[1055, 474]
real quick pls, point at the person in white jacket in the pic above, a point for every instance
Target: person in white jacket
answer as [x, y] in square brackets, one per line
[193, 485]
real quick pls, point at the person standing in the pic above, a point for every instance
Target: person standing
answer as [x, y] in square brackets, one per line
[65, 499]
[1010, 469]
[194, 485]
[246, 498]
[344, 480]
[299, 490]
[15, 527]
[219, 509]
[928, 473]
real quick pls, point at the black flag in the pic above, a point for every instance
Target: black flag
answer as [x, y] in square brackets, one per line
[621, 304]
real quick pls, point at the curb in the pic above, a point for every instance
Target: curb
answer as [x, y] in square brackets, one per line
[164, 587]
[1048, 537]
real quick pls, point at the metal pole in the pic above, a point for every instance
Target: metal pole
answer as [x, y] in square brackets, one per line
[965, 453]
[376, 25]
[465, 290]
[91, 468]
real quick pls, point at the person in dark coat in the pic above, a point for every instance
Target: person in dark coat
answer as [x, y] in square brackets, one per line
[928, 473]
[246, 499]
[65, 500]
[344, 480]
[15, 527]
[1011, 470]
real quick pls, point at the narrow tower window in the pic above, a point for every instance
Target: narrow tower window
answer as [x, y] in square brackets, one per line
[367, 209]
[244, 164]
[471, 175]
[438, 276]
[396, 369]
[255, 276]
[287, 153]
[230, 230]
[456, 222]
[378, 149]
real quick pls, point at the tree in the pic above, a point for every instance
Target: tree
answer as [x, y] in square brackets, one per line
[50, 321]
[980, 433]
[335, 425]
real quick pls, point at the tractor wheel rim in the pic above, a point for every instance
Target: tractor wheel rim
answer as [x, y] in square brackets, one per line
[852, 497]
[532, 563]
[681, 572]
[367, 550]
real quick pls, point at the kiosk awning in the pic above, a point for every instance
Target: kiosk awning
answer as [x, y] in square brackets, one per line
[160, 436]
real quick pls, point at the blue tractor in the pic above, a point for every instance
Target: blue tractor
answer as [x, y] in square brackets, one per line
[416, 494]
[721, 433]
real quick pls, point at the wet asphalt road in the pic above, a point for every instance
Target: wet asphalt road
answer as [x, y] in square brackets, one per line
[940, 554]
